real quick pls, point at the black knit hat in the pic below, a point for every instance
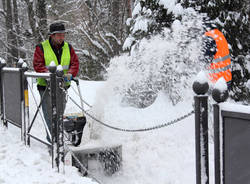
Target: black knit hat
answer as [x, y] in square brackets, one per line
[57, 27]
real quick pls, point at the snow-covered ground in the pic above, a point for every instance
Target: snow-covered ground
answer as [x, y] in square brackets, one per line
[32, 165]
[161, 156]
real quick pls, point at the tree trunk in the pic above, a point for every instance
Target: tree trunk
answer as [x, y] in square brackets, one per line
[115, 20]
[20, 43]
[129, 7]
[42, 23]
[33, 22]
[12, 54]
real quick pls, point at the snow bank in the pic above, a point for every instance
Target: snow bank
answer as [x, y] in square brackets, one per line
[21, 164]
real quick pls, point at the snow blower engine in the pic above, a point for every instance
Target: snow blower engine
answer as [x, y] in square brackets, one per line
[73, 126]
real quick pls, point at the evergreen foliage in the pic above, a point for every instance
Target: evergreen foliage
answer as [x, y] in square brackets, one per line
[149, 18]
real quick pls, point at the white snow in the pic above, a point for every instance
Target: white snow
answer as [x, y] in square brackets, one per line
[24, 65]
[141, 24]
[2, 60]
[239, 44]
[158, 156]
[235, 107]
[221, 84]
[168, 4]
[59, 68]
[178, 9]
[248, 62]
[20, 60]
[21, 164]
[128, 42]
[248, 84]
[136, 10]
[201, 77]
[52, 63]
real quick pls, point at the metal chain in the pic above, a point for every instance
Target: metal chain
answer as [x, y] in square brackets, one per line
[133, 130]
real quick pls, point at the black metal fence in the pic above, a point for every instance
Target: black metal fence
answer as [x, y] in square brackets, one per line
[231, 140]
[231, 127]
[15, 107]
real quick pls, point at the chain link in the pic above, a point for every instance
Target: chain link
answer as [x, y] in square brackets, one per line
[133, 130]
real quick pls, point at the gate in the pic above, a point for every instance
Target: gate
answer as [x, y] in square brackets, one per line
[232, 144]
[14, 105]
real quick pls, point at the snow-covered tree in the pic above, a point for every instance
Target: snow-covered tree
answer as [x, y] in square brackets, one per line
[11, 37]
[23, 25]
[149, 17]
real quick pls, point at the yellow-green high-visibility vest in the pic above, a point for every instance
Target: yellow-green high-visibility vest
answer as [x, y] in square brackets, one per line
[50, 56]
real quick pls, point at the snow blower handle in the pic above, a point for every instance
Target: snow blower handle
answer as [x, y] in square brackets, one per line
[76, 80]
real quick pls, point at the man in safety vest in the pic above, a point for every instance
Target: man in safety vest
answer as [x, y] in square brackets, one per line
[57, 50]
[217, 56]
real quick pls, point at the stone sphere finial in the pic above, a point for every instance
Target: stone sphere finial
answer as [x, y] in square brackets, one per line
[200, 85]
[59, 71]
[220, 91]
[52, 67]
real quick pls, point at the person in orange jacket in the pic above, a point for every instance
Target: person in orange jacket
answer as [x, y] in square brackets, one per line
[217, 56]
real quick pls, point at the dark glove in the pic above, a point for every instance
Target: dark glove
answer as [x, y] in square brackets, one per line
[67, 77]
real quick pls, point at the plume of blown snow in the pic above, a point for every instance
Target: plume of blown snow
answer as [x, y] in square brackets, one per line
[166, 62]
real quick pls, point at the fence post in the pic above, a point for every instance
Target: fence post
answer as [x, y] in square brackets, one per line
[218, 96]
[52, 70]
[2, 64]
[216, 143]
[61, 104]
[201, 132]
[24, 91]
[56, 81]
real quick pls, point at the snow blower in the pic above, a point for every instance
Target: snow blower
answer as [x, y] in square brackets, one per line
[75, 122]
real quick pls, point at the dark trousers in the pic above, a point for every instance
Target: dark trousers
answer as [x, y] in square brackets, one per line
[47, 108]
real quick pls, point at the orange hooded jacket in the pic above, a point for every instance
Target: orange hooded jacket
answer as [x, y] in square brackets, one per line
[221, 64]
